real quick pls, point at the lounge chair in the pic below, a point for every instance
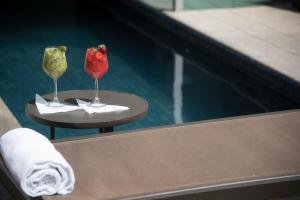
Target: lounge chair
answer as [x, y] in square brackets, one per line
[255, 157]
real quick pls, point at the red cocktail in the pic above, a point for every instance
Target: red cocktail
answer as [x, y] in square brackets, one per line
[96, 65]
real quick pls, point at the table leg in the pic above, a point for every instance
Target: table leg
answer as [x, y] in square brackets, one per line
[52, 133]
[106, 129]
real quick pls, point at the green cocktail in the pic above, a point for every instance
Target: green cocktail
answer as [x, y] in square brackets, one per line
[55, 65]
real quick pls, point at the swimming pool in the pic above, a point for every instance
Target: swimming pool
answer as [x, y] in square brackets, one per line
[177, 89]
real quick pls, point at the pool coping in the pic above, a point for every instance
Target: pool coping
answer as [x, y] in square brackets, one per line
[258, 71]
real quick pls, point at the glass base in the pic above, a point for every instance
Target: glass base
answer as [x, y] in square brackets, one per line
[96, 103]
[55, 104]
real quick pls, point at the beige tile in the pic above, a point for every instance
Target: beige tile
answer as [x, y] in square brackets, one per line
[268, 35]
[284, 42]
[296, 36]
[211, 26]
[242, 23]
[280, 20]
[284, 63]
[245, 43]
[201, 22]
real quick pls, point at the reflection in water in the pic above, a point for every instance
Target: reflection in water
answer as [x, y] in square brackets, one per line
[177, 88]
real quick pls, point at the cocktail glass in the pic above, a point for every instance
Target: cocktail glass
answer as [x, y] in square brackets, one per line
[55, 65]
[96, 65]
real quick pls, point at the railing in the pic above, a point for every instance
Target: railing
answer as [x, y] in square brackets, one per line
[178, 5]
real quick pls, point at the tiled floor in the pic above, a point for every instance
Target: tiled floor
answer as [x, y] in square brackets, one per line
[267, 34]
[266, 31]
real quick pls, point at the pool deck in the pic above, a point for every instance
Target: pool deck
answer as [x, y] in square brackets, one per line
[265, 34]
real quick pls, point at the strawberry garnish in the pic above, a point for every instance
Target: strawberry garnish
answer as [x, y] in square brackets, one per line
[102, 48]
[98, 55]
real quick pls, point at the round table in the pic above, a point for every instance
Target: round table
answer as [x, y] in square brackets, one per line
[80, 119]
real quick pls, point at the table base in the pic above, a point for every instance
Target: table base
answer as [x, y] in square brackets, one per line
[101, 130]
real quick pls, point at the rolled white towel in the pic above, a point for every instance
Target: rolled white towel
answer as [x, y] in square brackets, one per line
[35, 164]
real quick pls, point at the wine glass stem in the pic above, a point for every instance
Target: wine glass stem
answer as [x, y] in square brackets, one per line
[96, 91]
[55, 98]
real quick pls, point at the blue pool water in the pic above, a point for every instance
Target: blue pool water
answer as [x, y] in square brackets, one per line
[177, 89]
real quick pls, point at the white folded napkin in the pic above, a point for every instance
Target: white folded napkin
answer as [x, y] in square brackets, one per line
[104, 109]
[35, 164]
[43, 108]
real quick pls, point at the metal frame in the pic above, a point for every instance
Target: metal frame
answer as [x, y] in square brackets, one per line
[101, 130]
